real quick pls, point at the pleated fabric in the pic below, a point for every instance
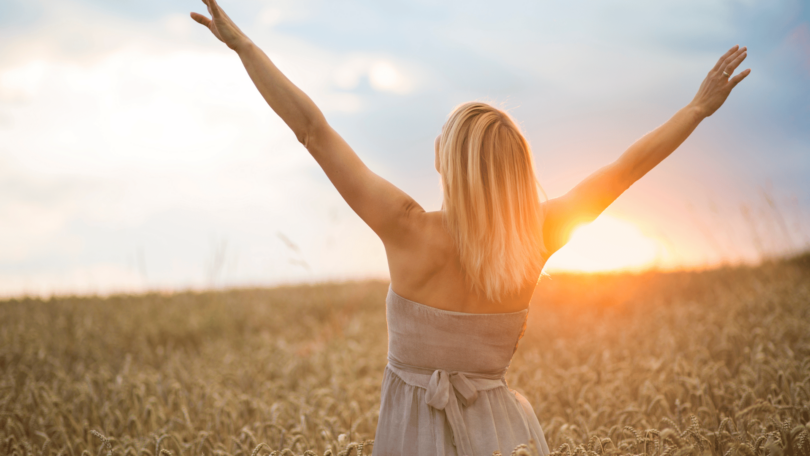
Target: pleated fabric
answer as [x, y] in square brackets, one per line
[444, 392]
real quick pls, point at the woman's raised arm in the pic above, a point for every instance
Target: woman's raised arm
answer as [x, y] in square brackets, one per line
[384, 207]
[593, 195]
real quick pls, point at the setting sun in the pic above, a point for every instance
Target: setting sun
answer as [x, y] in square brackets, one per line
[607, 244]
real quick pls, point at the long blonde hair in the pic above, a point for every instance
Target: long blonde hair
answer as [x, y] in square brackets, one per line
[491, 199]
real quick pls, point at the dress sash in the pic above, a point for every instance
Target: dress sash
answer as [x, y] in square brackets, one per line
[443, 389]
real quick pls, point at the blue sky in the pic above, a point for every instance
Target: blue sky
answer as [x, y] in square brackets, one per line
[135, 153]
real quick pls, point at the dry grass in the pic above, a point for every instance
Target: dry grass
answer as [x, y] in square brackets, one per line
[703, 363]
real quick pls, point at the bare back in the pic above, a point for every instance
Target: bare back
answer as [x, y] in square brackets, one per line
[427, 270]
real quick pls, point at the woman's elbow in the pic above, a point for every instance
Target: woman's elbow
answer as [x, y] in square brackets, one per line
[311, 131]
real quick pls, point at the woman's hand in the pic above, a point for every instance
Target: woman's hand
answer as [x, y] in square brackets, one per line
[221, 26]
[718, 84]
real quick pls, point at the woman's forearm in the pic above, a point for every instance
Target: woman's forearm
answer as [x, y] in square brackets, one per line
[646, 153]
[294, 107]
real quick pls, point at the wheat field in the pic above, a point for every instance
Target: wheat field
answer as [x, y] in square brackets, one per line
[688, 363]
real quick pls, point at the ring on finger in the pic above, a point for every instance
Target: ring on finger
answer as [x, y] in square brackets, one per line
[725, 73]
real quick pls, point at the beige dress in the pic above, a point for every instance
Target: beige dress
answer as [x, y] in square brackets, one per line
[444, 391]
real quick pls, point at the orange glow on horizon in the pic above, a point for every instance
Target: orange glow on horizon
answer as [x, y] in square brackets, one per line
[606, 245]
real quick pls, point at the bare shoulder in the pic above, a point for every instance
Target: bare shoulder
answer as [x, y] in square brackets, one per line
[425, 250]
[425, 235]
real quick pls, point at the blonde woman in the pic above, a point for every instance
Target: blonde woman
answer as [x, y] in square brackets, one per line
[462, 277]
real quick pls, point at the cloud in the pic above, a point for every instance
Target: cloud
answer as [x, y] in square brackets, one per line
[384, 76]
[282, 12]
[20, 84]
[381, 73]
[179, 25]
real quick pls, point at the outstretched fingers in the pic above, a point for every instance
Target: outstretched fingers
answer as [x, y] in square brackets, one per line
[728, 60]
[220, 25]
[213, 7]
[199, 18]
[733, 64]
[722, 59]
[739, 77]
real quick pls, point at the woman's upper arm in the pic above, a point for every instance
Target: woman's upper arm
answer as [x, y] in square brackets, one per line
[582, 204]
[386, 209]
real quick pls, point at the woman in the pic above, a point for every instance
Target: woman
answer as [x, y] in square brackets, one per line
[462, 277]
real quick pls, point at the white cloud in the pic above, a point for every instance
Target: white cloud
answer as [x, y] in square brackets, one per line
[383, 74]
[282, 11]
[386, 77]
[179, 25]
[22, 83]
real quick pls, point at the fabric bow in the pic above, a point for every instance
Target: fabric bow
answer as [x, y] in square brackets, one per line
[441, 396]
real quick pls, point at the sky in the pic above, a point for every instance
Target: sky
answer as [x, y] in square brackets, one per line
[135, 153]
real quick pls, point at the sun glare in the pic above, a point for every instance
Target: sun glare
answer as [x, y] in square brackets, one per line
[607, 244]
